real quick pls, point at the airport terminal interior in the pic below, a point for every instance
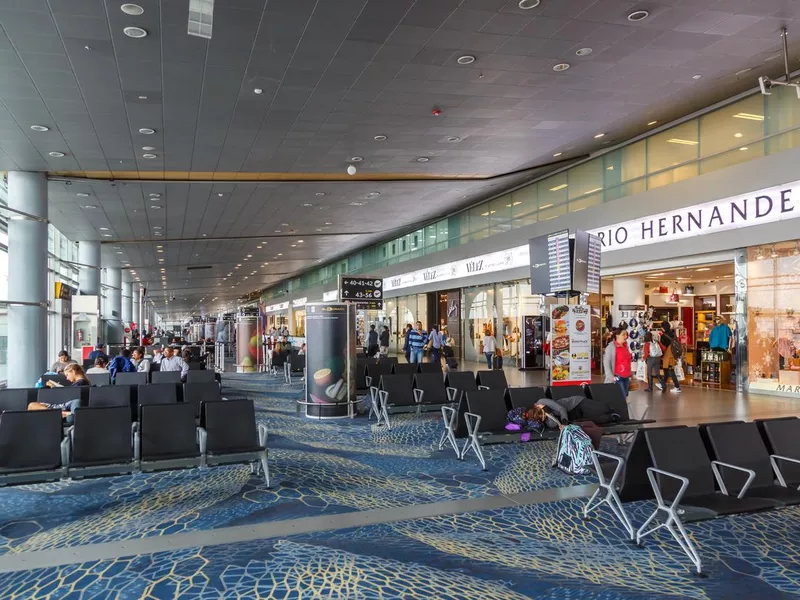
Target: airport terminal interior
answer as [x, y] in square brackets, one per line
[399, 299]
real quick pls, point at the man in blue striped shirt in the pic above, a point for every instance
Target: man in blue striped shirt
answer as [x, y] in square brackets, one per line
[417, 338]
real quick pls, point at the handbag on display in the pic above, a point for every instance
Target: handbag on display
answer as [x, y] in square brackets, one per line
[679, 370]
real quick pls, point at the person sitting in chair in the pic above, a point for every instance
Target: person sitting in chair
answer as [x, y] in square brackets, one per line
[77, 377]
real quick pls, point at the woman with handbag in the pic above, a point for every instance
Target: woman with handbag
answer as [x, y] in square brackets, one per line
[652, 358]
[668, 360]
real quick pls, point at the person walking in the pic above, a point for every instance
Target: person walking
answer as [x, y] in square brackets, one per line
[406, 347]
[417, 338]
[372, 342]
[489, 346]
[617, 361]
[668, 360]
[435, 344]
[384, 341]
[652, 358]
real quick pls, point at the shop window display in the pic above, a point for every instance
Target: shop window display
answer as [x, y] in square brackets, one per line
[773, 318]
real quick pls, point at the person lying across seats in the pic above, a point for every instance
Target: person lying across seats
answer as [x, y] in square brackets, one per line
[572, 409]
[77, 377]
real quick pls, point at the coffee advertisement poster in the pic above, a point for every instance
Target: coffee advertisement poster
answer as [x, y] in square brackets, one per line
[330, 359]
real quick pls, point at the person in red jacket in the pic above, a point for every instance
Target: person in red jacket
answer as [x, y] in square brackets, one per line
[617, 361]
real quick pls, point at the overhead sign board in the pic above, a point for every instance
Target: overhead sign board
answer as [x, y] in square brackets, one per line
[364, 291]
[276, 307]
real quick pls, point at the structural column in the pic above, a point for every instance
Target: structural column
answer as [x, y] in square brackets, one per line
[627, 290]
[112, 307]
[127, 300]
[135, 307]
[27, 278]
[89, 271]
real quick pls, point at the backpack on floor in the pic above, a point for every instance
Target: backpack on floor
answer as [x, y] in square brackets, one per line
[574, 455]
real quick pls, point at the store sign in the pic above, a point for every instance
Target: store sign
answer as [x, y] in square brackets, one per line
[277, 307]
[488, 263]
[769, 205]
[332, 296]
[299, 302]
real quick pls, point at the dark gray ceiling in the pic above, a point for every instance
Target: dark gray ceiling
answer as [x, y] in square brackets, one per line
[334, 74]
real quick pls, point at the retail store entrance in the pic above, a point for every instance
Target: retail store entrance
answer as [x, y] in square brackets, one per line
[697, 303]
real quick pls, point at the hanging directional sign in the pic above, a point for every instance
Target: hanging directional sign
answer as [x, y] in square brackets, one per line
[364, 291]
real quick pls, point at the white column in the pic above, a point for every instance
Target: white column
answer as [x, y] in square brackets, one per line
[27, 278]
[89, 275]
[135, 306]
[127, 300]
[112, 308]
[627, 290]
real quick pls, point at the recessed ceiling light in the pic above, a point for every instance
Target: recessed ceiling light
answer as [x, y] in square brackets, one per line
[56, 154]
[454, 138]
[135, 32]
[156, 227]
[423, 159]
[467, 59]
[299, 241]
[704, 269]
[560, 67]
[737, 135]
[249, 256]
[356, 204]
[40, 128]
[584, 52]
[558, 187]
[328, 223]
[380, 138]
[598, 136]
[258, 91]
[651, 123]
[156, 207]
[308, 205]
[748, 116]
[284, 224]
[743, 148]
[142, 97]
[146, 131]
[119, 251]
[90, 206]
[320, 194]
[82, 195]
[106, 235]
[157, 233]
[682, 141]
[373, 194]
[104, 229]
[132, 9]
[638, 15]
[280, 253]
[696, 76]
[356, 159]
[155, 195]
[148, 148]
[528, 4]
[743, 71]
[149, 156]
[294, 245]
[557, 154]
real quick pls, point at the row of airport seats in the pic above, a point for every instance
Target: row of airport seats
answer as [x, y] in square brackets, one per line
[287, 365]
[698, 473]
[370, 370]
[100, 379]
[408, 392]
[133, 397]
[104, 440]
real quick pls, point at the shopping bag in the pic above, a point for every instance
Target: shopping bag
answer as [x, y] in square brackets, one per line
[679, 370]
[641, 371]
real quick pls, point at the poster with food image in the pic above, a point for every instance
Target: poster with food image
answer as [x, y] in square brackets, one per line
[330, 360]
[570, 345]
[247, 346]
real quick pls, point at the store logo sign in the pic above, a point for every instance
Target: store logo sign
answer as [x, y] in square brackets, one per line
[429, 275]
[769, 205]
[299, 302]
[474, 266]
[276, 307]
[331, 296]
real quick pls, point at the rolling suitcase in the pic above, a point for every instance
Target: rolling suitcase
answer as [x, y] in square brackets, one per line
[497, 362]
[452, 363]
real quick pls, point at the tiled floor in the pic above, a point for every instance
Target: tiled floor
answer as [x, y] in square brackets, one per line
[407, 521]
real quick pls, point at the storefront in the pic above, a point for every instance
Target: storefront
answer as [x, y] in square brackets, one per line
[277, 315]
[299, 317]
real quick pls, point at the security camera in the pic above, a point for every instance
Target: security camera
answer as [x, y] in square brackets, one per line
[766, 85]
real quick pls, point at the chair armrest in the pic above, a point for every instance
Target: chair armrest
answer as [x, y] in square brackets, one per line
[617, 470]
[452, 393]
[715, 464]
[384, 397]
[202, 438]
[447, 413]
[472, 426]
[368, 379]
[66, 447]
[263, 434]
[651, 475]
[483, 387]
[137, 446]
[418, 394]
[773, 459]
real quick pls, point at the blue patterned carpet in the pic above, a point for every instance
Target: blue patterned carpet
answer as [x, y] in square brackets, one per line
[318, 467]
[541, 551]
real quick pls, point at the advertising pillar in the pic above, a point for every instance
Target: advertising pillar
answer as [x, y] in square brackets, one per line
[330, 360]
[247, 346]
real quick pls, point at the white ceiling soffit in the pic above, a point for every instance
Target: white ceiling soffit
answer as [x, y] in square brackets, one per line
[201, 18]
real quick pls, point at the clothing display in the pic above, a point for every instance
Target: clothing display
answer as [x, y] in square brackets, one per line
[720, 337]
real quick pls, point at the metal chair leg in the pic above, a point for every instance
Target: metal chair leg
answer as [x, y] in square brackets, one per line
[606, 493]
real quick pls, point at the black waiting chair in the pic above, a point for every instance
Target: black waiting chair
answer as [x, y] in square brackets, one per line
[392, 360]
[374, 371]
[100, 442]
[229, 434]
[22, 460]
[64, 394]
[130, 379]
[492, 380]
[112, 395]
[557, 392]
[99, 379]
[782, 437]
[461, 382]
[404, 368]
[429, 367]
[167, 437]
[486, 420]
[297, 363]
[393, 394]
[165, 377]
[612, 394]
[361, 371]
[17, 398]
[87, 364]
[432, 391]
[753, 470]
[197, 393]
[682, 477]
[157, 393]
[202, 376]
[58, 378]
[525, 397]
